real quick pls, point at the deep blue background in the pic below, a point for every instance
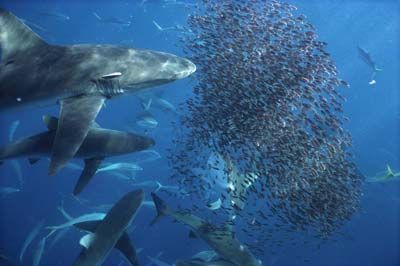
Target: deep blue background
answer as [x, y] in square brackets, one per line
[372, 237]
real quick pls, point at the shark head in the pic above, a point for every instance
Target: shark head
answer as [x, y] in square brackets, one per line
[148, 69]
[117, 70]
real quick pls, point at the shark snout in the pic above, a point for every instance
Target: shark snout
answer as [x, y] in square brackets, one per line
[186, 68]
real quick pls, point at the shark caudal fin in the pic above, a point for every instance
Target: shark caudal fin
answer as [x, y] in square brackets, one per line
[161, 207]
[15, 36]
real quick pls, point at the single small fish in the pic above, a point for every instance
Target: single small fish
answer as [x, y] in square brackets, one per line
[56, 15]
[84, 218]
[215, 205]
[147, 120]
[121, 167]
[37, 257]
[175, 28]
[8, 190]
[30, 238]
[166, 105]
[366, 57]
[149, 155]
[157, 262]
[388, 175]
[18, 171]
[63, 212]
[13, 128]
[60, 233]
[112, 20]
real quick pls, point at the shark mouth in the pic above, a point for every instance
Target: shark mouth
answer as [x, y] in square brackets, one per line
[149, 83]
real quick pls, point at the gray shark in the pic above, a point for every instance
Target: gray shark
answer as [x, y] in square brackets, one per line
[79, 77]
[99, 144]
[110, 231]
[222, 240]
[124, 243]
[238, 184]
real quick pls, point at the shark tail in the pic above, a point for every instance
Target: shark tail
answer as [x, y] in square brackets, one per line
[161, 208]
[157, 26]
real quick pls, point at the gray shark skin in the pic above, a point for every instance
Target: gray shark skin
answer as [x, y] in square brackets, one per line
[79, 77]
[110, 230]
[222, 240]
[123, 244]
[100, 143]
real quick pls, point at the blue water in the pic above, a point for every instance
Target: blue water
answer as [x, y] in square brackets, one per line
[372, 237]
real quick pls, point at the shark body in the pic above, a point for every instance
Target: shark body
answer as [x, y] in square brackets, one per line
[79, 77]
[100, 143]
[222, 240]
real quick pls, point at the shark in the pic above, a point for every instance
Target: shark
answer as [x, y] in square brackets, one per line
[100, 143]
[238, 184]
[221, 240]
[80, 78]
[232, 180]
[110, 232]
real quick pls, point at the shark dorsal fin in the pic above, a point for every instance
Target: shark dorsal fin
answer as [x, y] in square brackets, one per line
[15, 36]
[87, 240]
[51, 122]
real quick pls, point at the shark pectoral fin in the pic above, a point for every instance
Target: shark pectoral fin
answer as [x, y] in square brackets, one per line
[51, 122]
[91, 166]
[87, 240]
[161, 207]
[192, 234]
[76, 117]
[125, 246]
[33, 160]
